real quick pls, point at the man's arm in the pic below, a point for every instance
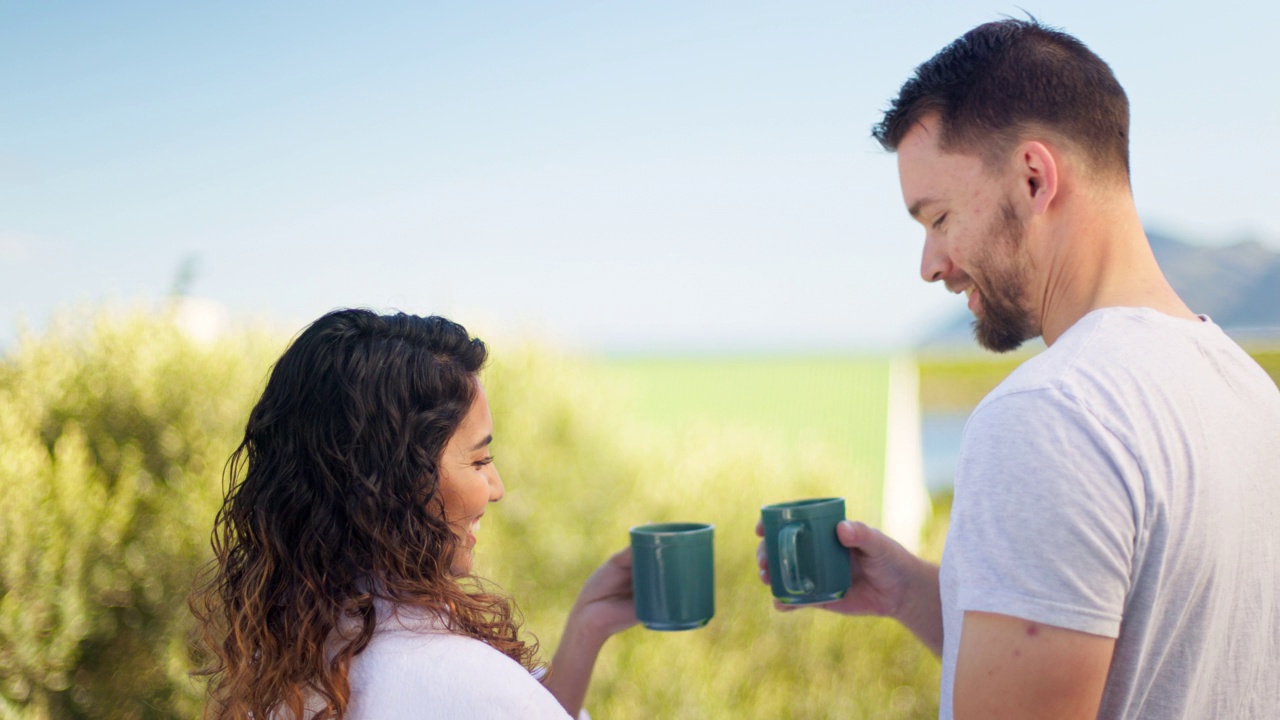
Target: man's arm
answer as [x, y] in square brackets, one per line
[1014, 668]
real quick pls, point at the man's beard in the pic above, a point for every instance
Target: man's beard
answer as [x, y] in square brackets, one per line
[1004, 323]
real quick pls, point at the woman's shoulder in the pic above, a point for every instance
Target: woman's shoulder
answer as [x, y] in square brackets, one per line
[414, 666]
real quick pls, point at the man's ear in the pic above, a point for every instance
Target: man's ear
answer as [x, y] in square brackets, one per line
[1038, 170]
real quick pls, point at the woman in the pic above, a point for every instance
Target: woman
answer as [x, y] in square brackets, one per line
[341, 583]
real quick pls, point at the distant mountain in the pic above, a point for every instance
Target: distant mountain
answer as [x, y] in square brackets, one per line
[1236, 285]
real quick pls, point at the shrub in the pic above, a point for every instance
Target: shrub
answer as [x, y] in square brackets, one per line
[113, 435]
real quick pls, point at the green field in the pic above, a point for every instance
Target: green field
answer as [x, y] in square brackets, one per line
[835, 407]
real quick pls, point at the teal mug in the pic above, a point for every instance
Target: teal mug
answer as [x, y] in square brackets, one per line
[807, 564]
[673, 575]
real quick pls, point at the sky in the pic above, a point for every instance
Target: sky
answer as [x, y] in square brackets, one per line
[658, 177]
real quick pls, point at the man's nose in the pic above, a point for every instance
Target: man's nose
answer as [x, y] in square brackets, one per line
[934, 261]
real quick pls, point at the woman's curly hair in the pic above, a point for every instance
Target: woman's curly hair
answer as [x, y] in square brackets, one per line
[332, 502]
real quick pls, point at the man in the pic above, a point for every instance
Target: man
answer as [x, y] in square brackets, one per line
[1113, 549]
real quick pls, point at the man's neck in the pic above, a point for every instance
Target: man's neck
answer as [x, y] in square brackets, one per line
[1101, 258]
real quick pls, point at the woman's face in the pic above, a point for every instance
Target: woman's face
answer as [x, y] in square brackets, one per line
[469, 480]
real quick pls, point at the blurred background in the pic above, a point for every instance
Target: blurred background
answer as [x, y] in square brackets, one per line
[644, 177]
[667, 219]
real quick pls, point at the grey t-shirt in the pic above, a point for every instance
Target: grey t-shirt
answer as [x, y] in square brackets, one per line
[1126, 483]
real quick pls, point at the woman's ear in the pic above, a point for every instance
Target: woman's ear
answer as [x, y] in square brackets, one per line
[1038, 168]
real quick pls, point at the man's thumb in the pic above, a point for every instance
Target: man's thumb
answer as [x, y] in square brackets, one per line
[861, 537]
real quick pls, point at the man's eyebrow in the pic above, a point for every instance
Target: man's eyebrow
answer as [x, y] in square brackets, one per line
[919, 205]
[488, 439]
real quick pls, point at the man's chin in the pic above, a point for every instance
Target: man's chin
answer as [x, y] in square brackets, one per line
[1001, 338]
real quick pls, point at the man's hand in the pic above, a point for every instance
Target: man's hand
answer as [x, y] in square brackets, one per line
[888, 581]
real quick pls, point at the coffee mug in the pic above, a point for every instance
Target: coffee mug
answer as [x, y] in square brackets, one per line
[807, 564]
[673, 575]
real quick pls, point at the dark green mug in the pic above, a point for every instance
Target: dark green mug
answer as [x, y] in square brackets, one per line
[807, 564]
[673, 575]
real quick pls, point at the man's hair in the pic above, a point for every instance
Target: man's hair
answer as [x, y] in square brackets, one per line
[1001, 82]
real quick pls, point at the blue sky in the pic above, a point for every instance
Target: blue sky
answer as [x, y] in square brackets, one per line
[654, 176]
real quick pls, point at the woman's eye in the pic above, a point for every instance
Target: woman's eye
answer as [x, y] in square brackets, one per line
[483, 461]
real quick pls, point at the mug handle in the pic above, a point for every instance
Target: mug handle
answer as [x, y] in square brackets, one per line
[791, 578]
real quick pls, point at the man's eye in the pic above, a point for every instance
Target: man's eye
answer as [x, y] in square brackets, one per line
[938, 223]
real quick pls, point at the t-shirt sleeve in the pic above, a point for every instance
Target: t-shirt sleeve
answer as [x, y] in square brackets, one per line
[1043, 526]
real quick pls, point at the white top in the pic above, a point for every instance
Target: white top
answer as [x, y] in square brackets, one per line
[414, 668]
[1126, 483]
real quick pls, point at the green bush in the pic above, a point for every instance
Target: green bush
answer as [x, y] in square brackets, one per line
[113, 437]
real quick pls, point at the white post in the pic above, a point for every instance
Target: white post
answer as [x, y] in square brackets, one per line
[906, 507]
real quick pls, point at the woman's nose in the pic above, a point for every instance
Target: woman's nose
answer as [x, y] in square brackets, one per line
[496, 488]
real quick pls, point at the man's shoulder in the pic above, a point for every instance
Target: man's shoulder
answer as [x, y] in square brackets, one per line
[1115, 350]
[1132, 371]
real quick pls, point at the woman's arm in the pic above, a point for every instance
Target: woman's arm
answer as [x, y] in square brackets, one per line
[605, 607]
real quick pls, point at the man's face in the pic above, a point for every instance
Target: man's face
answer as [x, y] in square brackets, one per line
[974, 239]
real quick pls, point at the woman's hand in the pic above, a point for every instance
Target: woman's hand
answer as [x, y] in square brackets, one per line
[606, 605]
